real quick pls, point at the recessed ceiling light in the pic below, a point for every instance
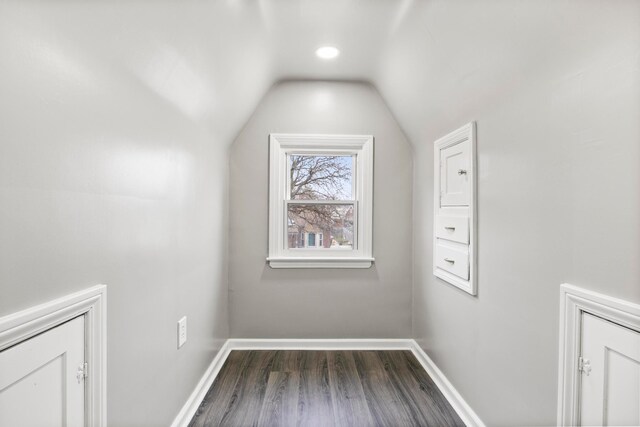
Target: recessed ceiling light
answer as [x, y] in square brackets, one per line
[327, 52]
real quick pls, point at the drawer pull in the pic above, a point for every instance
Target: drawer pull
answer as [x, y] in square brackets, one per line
[450, 228]
[450, 260]
[462, 172]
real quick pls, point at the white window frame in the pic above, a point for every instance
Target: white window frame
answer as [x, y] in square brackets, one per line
[359, 146]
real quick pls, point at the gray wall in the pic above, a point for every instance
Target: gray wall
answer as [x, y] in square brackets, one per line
[112, 171]
[308, 303]
[114, 123]
[555, 90]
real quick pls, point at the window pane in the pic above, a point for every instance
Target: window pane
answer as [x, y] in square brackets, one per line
[321, 177]
[333, 222]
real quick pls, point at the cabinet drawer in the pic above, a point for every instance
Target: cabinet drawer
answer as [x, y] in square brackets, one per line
[452, 260]
[454, 228]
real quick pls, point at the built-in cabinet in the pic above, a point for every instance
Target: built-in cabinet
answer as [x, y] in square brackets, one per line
[454, 237]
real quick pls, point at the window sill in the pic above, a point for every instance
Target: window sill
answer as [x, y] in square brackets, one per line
[298, 262]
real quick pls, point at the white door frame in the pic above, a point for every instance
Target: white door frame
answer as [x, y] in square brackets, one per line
[90, 303]
[575, 301]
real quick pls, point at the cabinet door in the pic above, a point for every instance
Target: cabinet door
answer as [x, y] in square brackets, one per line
[39, 379]
[455, 175]
[610, 374]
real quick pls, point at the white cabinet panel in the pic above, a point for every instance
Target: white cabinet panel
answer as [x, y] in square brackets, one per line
[455, 170]
[623, 387]
[39, 383]
[454, 228]
[452, 260]
[610, 374]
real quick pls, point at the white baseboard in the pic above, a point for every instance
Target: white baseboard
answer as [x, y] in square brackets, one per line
[461, 407]
[197, 396]
[319, 344]
[454, 398]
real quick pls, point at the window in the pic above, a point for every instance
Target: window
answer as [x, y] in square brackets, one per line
[320, 203]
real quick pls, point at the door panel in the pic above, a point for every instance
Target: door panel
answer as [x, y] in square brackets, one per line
[622, 384]
[455, 175]
[610, 384]
[39, 385]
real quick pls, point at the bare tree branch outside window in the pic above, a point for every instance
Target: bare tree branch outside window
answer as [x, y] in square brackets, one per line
[314, 177]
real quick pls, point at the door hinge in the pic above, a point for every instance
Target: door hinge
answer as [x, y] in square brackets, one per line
[584, 365]
[82, 372]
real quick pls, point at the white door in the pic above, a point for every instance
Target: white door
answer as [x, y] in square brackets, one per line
[455, 173]
[40, 384]
[610, 380]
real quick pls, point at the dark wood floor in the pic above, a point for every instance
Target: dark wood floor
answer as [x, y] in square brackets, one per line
[324, 388]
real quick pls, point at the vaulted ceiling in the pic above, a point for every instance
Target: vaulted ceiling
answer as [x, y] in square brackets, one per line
[211, 61]
[214, 60]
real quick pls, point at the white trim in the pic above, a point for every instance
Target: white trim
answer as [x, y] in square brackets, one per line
[464, 133]
[361, 146]
[462, 408]
[197, 396]
[90, 303]
[319, 344]
[464, 411]
[574, 302]
[317, 262]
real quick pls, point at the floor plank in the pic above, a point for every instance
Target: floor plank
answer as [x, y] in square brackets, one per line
[215, 403]
[324, 388]
[246, 401]
[315, 407]
[347, 395]
[420, 385]
[385, 403]
[280, 403]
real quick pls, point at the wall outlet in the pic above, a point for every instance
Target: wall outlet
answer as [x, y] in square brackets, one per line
[182, 331]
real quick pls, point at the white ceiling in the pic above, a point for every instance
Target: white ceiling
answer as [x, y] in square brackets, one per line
[214, 60]
[210, 60]
[359, 28]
